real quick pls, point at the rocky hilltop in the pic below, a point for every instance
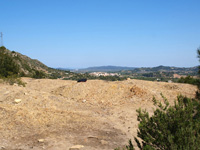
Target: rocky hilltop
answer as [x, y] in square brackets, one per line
[58, 115]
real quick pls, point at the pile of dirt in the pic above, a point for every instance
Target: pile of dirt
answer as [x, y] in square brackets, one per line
[137, 91]
[57, 114]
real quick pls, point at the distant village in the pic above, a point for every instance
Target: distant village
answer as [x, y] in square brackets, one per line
[98, 74]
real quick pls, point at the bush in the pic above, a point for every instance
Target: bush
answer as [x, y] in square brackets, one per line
[39, 74]
[12, 80]
[128, 147]
[7, 65]
[189, 80]
[170, 127]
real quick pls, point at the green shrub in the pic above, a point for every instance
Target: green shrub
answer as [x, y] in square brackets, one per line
[128, 147]
[12, 80]
[189, 80]
[170, 127]
[7, 65]
[39, 74]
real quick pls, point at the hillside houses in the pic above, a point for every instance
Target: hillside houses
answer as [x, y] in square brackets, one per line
[103, 74]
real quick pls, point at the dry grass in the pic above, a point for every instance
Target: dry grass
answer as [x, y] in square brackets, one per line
[96, 114]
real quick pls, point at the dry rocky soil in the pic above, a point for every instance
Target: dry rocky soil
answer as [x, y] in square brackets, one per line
[58, 114]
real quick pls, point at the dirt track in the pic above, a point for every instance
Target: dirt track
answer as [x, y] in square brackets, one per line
[96, 114]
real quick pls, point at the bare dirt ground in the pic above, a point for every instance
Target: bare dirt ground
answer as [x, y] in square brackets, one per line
[57, 114]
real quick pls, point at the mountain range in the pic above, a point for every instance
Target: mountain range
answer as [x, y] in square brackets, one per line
[105, 69]
[189, 70]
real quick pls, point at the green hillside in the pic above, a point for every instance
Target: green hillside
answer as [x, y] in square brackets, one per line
[14, 63]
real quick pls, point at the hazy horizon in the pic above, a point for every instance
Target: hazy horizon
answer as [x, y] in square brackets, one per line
[118, 66]
[81, 34]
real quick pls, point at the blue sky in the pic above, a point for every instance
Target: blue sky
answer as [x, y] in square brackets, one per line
[83, 33]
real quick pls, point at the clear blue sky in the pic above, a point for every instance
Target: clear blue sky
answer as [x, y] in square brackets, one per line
[83, 33]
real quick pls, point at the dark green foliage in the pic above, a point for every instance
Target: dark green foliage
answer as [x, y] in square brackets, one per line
[198, 55]
[128, 147]
[55, 75]
[171, 127]
[198, 85]
[3, 48]
[7, 66]
[189, 80]
[111, 78]
[39, 74]
[14, 80]
[147, 75]
[78, 76]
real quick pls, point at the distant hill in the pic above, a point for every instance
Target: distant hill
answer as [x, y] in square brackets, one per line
[105, 69]
[192, 70]
[181, 70]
